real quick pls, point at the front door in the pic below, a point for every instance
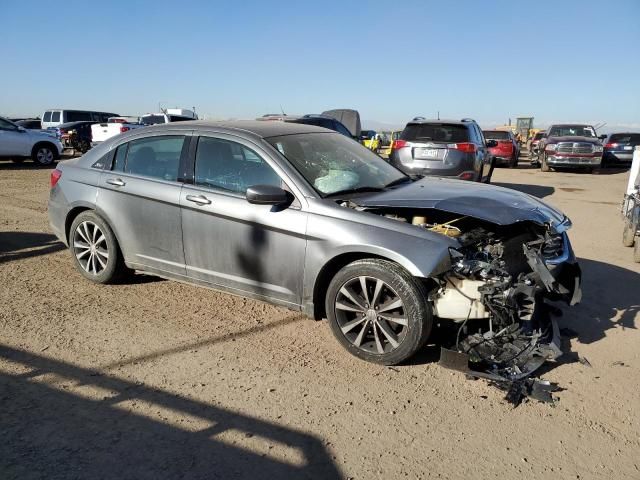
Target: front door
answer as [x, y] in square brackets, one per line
[13, 141]
[228, 242]
[140, 198]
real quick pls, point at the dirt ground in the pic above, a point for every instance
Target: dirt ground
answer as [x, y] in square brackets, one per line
[157, 379]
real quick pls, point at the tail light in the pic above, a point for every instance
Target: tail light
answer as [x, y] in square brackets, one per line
[611, 145]
[396, 144]
[466, 176]
[55, 176]
[464, 147]
[124, 129]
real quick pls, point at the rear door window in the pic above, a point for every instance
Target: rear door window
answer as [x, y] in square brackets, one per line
[120, 158]
[155, 157]
[55, 116]
[435, 132]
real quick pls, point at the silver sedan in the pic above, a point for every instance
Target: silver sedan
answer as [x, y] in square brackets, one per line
[307, 218]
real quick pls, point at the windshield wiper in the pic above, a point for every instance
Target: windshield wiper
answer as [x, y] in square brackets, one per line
[354, 190]
[398, 181]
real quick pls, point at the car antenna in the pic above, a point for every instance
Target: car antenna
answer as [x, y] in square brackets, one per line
[438, 114]
[599, 126]
[282, 110]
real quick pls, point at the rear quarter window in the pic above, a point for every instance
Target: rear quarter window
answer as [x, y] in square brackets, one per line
[74, 116]
[435, 132]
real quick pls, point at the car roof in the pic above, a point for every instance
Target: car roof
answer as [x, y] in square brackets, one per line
[435, 120]
[258, 128]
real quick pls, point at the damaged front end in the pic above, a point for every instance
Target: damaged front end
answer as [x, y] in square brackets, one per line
[496, 293]
[506, 280]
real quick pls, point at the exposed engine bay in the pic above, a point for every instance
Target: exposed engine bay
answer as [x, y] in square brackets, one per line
[495, 295]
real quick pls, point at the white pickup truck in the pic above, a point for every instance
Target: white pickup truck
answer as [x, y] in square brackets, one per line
[117, 125]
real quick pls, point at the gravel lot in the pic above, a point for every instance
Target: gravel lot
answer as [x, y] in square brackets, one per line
[157, 379]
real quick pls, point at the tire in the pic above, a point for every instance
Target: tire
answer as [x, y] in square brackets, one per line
[628, 233]
[514, 161]
[44, 154]
[96, 254]
[488, 179]
[366, 330]
[544, 166]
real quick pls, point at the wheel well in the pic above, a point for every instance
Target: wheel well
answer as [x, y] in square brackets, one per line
[328, 272]
[49, 144]
[71, 216]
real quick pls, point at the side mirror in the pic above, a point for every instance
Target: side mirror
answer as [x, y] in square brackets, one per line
[602, 137]
[267, 195]
[21, 129]
[492, 143]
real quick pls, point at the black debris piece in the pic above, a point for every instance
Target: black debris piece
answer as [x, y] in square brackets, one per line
[584, 361]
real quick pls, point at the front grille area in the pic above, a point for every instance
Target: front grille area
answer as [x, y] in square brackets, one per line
[574, 148]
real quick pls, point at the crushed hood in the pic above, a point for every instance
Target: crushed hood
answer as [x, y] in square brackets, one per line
[498, 205]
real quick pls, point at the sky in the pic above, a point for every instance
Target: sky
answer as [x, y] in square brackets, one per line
[558, 61]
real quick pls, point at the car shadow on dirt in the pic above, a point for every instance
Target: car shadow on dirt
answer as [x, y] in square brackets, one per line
[539, 191]
[609, 300]
[63, 421]
[20, 245]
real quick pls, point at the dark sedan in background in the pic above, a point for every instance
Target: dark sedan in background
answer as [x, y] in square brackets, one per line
[618, 148]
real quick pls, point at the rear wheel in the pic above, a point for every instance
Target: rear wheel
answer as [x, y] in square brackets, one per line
[94, 249]
[378, 311]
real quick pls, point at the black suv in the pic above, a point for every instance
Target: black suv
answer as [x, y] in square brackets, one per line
[444, 148]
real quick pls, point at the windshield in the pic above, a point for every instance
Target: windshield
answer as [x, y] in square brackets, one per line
[333, 163]
[152, 119]
[496, 135]
[572, 131]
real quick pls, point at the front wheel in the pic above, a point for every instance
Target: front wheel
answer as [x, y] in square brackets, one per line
[94, 249]
[43, 154]
[378, 311]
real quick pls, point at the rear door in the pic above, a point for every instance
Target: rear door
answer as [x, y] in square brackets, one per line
[230, 243]
[140, 197]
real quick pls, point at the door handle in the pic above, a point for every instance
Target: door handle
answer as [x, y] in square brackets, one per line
[116, 181]
[199, 199]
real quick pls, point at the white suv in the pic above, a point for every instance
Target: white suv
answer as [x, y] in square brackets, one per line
[18, 143]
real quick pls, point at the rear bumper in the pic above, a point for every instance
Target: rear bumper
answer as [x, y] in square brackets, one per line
[574, 161]
[613, 157]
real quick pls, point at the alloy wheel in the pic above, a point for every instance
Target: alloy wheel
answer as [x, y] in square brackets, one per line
[371, 315]
[90, 248]
[44, 156]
